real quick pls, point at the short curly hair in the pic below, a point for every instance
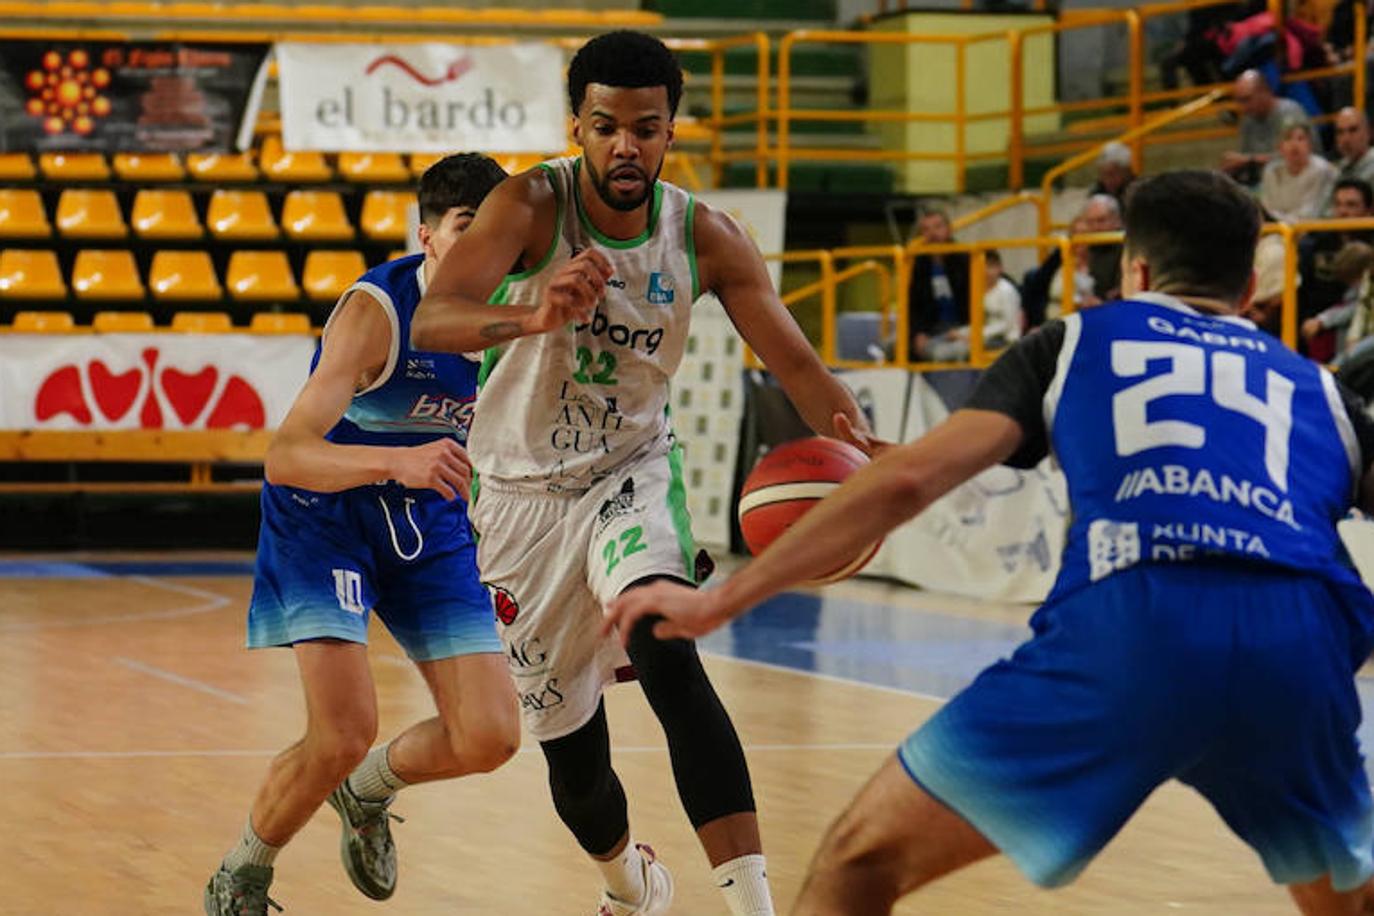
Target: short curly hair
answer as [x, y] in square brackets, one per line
[460, 180]
[625, 60]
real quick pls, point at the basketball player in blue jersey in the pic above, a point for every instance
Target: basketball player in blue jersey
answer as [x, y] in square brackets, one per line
[1205, 625]
[363, 512]
[581, 489]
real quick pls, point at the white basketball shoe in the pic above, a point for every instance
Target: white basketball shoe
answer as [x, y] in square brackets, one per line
[658, 890]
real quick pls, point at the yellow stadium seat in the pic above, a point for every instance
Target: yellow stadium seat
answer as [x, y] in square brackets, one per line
[43, 322]
[30, 275]
[22, 215]
[221, 167]
[328, 273]
[261, 276]
[140, 167]
[373, 168]
[73, 167]
[183, 276]
[106, 275]
[279, 165]
[279, 323]
[420, 162]
[515, 163]
[202, 322]
[16, 167]
[122, 322]
[240, 215]
[316, 216]
[165, 215]
[384, 215]
[90, 215]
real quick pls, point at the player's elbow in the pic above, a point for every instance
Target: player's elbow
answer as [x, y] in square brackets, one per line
[278, 468]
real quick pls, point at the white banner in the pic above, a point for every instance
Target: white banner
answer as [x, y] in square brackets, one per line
[763, 214]
[150, 381]
[432, 98]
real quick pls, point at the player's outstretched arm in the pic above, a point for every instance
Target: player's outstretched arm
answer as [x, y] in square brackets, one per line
[731, 267]
[515, 224]
[352, 355]
[899, 484]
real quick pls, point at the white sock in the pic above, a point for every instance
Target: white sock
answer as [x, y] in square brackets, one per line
[624, 875]
[373, 780]
[250, 850]
[744, 883]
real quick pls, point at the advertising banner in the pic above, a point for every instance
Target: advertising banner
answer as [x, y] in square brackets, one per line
[433, 98]
[150, 381]
[129, 96]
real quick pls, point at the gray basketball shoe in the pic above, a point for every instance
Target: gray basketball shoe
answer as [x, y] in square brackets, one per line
[241, 892]
[369, 855]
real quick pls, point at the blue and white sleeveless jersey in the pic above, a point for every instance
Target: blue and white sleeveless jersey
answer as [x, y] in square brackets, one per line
[419, 396]
[1185, 435]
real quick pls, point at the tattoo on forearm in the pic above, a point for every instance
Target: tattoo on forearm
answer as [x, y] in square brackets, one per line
[501, 330]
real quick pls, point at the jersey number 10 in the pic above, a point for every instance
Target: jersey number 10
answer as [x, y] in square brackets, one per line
[1187, 375]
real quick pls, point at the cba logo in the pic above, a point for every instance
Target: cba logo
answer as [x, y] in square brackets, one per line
[506, 607]
[660, 289]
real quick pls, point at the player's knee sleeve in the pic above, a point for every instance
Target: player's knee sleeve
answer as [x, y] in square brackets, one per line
[708, 761]
[586, 792]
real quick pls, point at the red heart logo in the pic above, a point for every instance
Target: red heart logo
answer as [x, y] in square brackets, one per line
[61, 393]
[114, 394]
[239, 405]
[189, 393]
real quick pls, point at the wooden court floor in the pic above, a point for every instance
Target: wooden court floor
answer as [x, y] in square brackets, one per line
[134, 728]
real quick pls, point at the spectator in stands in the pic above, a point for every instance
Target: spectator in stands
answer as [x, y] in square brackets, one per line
[1352, 142]
[1262, 115]
[1296, 184]
[1102, 213]
[938, 293]
[1350, 267]
[1199, 52]
[1353, 198]
[1114, 172]
[1265, 308]
[1002, 318]
[1042, 292]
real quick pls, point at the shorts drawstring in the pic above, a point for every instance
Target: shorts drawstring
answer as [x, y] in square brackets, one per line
[419, 538]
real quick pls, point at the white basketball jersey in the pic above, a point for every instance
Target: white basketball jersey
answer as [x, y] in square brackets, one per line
[559, 411]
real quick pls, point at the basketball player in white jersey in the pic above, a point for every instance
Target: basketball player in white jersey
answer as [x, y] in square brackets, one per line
[581, 495]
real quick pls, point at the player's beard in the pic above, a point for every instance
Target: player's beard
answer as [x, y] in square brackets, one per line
[608, 195]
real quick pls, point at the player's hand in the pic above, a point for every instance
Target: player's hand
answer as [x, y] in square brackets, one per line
[573, 293]
[859, 436]
[441, 465]
[687, 612]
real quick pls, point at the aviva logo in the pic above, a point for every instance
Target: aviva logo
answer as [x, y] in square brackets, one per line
[660, 289]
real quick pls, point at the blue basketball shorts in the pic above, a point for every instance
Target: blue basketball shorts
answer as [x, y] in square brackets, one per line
[1235, 680]
[327, 560]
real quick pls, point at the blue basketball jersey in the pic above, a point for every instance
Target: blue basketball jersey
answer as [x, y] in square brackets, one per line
[419, 396]
[1185, 435]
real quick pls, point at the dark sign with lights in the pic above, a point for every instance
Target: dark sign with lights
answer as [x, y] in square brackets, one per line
[128, 97]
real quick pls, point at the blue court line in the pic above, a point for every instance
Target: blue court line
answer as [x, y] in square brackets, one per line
[39, 569]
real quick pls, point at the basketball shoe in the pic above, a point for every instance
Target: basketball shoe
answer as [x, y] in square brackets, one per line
[658, 890]
[241, 892]
[369, 855]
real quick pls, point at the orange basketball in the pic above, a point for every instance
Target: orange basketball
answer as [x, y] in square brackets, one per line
[787, 482]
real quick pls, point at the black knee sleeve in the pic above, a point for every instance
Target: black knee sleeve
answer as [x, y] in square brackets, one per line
[586, 792]
[708, 761]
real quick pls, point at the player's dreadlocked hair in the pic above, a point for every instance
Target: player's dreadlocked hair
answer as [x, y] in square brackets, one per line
[461, 180]
[625, 60]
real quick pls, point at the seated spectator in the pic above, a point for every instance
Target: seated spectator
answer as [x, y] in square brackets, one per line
[1261, 116]
[1102, 213]
[1296, 184]
[1352, 142]
[1352, 198]
[1199, 52]
[1265, 307]
[1114, 172]
[1042, 292]
[938, 302]
[1002, 318]
[1327, 333]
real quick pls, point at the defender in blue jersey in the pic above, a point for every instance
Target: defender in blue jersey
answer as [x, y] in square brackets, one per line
[1206, 624]
[364, 513]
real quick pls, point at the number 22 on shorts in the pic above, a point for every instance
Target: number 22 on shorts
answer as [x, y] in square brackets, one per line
[631, 541]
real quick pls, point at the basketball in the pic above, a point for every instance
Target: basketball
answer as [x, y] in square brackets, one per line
[787, 482]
